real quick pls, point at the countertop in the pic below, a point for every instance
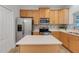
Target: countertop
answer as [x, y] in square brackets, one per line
[62, 30]
[71, 32]
[68, 31]
[38, 40]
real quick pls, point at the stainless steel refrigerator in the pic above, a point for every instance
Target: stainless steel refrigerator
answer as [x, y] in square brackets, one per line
[24, 27]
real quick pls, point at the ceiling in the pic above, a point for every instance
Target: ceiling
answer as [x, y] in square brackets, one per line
[44, 6]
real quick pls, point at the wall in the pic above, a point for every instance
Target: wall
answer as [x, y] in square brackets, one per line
[73, 9]
[7, 31]
[15, 9]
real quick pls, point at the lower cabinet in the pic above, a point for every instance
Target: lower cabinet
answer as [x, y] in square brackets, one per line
[35, 33]
[74, 43]
[70, 41]
[64, 38]
[56, 34]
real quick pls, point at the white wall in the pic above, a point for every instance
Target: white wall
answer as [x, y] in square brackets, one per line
[15, 9]
[73, 9]
[7, 29]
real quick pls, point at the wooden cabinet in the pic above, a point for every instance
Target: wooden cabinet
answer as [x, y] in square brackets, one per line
[35, 33]
[63, 16]
[44, 12]
[64, 38]
[59, 16]
[56, 34]
[36, 16]
[70, 41]
[74, 43]
[26, 13]
[66, 16]
[39, 48]
[54, 17]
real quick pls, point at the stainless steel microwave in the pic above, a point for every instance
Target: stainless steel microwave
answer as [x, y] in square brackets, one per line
[44, 20]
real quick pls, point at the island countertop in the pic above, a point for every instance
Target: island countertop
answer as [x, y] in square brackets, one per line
[38, 40]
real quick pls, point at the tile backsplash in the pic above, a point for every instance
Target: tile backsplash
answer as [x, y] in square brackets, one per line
[51, 27]
[54, 27]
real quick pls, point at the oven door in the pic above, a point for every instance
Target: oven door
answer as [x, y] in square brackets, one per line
[43, 30]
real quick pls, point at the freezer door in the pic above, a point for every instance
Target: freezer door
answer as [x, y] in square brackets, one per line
[27, 26]
[19, 28]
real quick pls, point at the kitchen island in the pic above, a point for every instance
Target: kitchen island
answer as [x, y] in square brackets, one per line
[39, 44]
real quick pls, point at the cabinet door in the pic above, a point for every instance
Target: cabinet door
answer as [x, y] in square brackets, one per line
[56, 34]
[66, 16]
[56, 20]
[61, 18]
[26, 13]
[52, 17]
[36, 16]
[44, 12]
[74, 44]
[35, 33]
[47, 13]
[65, 39]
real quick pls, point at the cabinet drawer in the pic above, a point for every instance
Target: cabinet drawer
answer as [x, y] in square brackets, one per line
[35, 33]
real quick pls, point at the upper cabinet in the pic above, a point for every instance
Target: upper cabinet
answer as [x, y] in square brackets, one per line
[54, 17]
[26, 13]
[60, 16]
[64, 16]
[36, 16]
[44, 12]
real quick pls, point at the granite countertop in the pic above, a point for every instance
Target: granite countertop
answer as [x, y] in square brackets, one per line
[72, 32]
[38, 40]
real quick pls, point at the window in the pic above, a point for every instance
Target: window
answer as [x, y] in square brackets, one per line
[77, 22]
